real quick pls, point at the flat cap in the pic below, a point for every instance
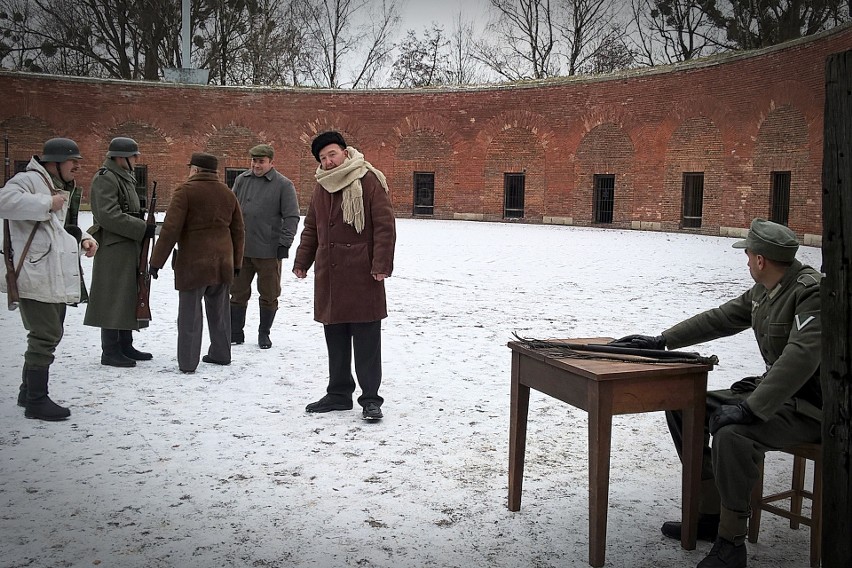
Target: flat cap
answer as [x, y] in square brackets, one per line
[204, 161]
[324, 139]
[770, 240]
[262, 151]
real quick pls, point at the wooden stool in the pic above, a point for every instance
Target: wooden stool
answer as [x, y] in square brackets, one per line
[797, 492]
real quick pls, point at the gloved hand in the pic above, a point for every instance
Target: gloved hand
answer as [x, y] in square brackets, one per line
[236, 272]
[641, 342]
[150, 230]
[283, 252]
[727, 414]
[154, 272]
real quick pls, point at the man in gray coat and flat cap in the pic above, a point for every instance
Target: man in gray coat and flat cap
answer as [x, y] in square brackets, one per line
[271, 214]
[780, 408]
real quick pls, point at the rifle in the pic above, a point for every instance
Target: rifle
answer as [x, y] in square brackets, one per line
[143, 277]
[11, 274]
[9, 260]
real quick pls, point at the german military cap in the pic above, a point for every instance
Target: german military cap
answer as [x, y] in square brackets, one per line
[770, 240]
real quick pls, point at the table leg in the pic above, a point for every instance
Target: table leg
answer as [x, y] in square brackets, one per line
[600, 439]
[693, 443]
[519, 406]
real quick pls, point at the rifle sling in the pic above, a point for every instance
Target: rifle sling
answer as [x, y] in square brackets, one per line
[7, 236]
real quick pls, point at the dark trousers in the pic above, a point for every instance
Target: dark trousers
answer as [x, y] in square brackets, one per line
[45, 324]
[366, 340]
[738, 449]
[191, 325]
[268, 271]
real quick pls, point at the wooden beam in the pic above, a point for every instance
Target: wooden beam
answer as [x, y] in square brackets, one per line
[836, 293]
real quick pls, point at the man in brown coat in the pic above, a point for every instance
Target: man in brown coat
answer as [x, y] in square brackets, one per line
[205, 221]
[349, 236]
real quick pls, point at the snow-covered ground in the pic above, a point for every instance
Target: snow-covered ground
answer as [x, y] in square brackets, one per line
[224, 467]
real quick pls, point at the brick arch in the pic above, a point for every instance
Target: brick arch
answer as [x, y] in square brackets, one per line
[304, 163]
[27, 135]
[231, 143]
[514, 149]
[535, 123]
[424, 121]
[605, 149]
[781, 145]
[695, 146]
[163, 166]
[420, 147]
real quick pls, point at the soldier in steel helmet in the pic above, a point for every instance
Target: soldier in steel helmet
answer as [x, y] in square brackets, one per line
[780, 408]
[120, 227]
[39, 206]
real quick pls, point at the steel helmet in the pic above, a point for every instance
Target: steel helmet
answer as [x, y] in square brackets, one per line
[122, 148]
[59, 150]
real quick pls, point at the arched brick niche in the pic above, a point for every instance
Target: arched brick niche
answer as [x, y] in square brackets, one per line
[603, 159]
[735, 119]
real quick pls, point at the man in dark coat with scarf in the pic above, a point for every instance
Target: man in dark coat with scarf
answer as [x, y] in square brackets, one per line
[349, 236]
[205, 221]
[120, 229]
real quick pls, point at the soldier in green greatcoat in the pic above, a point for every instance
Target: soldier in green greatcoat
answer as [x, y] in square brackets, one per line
[780, 408]
[120, 228]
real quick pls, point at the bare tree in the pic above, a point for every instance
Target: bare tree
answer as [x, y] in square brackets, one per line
[610, 53]
[223, 26]
[587, 26]
[336, 44]
[421, 62]
[462, 67]
[379, 39]
[273, 51]
[751, 24]
[525, 39]
[667, 31]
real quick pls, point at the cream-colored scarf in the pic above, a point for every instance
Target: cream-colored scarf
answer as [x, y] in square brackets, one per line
[347, 176]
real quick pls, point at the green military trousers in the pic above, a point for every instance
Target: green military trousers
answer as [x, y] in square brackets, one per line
[44, 322]
[738, 450]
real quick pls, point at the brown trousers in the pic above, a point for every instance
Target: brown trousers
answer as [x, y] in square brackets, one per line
[268, 271]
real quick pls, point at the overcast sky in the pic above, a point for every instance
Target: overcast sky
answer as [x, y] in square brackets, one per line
[419, 14]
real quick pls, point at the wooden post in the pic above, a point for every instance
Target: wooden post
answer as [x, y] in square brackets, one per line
[836, 293]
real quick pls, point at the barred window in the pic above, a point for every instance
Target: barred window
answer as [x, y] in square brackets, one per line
[141, 175]
[693, 199]
[604, 198]
[779, 208]
[231, 175]
[513, 194]
[424, 193]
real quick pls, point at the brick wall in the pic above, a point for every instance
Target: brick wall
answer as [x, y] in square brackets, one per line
[736, 118]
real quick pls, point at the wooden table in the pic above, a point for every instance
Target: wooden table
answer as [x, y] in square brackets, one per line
[605, 388]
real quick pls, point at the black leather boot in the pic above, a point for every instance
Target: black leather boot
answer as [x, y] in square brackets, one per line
[238, 322]
[725, 554]
[111, 346]
[266, 319]
[708, 527]
[125, 340]
[22, 394]
[38, 403]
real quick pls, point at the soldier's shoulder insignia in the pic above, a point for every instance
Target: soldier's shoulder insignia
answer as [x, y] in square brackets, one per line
[808, 280]
[102, 171]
